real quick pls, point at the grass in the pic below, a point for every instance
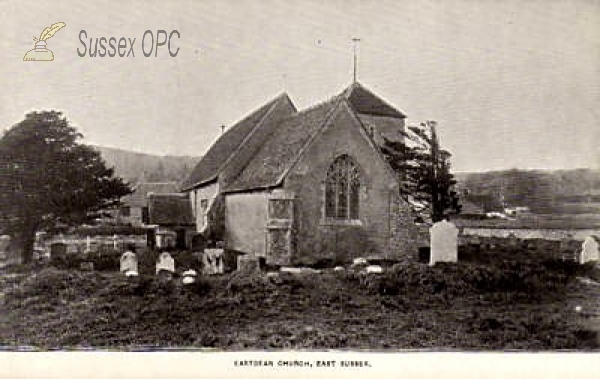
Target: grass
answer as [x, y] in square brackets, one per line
[475, 305]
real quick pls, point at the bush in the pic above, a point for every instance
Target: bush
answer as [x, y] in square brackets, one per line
[463, 278]
[105, 258]
[51, 283]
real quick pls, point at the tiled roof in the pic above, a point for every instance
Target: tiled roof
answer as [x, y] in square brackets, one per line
[278, 153]
[139, 198]
[213, 162]
[259, 150]
[170, 209]
[365, 101]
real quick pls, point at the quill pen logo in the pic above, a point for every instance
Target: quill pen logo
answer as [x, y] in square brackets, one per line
[40, 51]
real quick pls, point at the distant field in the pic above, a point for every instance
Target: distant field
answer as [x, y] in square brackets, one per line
[537, 221]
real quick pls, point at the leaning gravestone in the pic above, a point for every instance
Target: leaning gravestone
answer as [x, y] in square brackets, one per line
[166, 263]
[213, 261]
[589, 251]
[129, 262]
[444, 241]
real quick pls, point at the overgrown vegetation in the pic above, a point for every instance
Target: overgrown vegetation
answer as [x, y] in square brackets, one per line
[492, 300]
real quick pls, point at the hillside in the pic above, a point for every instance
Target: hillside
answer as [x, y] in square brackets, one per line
[544, 191]
[134, 166]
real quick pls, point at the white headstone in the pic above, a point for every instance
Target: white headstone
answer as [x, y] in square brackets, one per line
[129, 262]
[359, 261]
[589, 251]
[165, 262]
[212, 260]
[444, 242]
[374, 269]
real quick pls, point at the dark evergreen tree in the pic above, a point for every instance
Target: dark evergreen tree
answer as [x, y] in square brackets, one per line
[423, 168]
[48, 177]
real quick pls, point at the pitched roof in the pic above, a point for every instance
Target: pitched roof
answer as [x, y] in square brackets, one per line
[139, 198]
[170, 209]
[260, 149]
[279, 152]
[213, 162]
[269, 165]
[365, 101]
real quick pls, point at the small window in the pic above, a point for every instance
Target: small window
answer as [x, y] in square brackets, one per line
[203, 205]
[342, 188]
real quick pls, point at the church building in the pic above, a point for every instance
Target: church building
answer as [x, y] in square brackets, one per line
[296, 187]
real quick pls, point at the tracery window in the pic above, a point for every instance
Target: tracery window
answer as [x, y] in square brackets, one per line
[342, 189]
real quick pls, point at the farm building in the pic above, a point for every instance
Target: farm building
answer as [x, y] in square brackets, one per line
[300, 186]
[170, 220]
[134, 210]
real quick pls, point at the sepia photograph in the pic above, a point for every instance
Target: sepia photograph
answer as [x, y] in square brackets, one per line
[299, 187]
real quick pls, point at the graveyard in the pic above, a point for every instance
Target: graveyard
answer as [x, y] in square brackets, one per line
[493, 294]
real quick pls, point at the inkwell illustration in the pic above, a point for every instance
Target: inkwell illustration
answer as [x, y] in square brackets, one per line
[40, 51]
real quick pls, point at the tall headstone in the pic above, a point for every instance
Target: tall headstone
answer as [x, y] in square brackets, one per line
[444, 242]
[589, 250]
[166, 263]
[129, 262]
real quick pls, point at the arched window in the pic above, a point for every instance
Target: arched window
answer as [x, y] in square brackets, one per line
[342, 189]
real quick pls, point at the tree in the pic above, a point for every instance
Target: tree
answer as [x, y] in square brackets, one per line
[424, 171]
[47, 177]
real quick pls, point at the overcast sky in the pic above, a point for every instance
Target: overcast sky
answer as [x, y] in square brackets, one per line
[511, 83]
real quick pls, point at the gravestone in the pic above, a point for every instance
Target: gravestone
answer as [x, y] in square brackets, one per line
[589, 250]
[165, 263]
[212, 261]
[86, 266]
[129, 262]
[444, 242]
[248, 264]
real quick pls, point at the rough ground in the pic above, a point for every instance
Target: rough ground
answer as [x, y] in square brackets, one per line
[469, 306]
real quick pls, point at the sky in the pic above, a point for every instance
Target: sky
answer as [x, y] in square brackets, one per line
[512, 84]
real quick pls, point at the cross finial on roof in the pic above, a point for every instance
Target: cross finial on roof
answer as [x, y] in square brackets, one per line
[355, 42]
[222, 129]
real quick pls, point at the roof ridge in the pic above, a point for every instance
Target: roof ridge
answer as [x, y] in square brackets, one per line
[347, 93]
[315, 106]
[269, 106]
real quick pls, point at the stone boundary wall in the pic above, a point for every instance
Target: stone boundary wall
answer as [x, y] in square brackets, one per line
[545, 234]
